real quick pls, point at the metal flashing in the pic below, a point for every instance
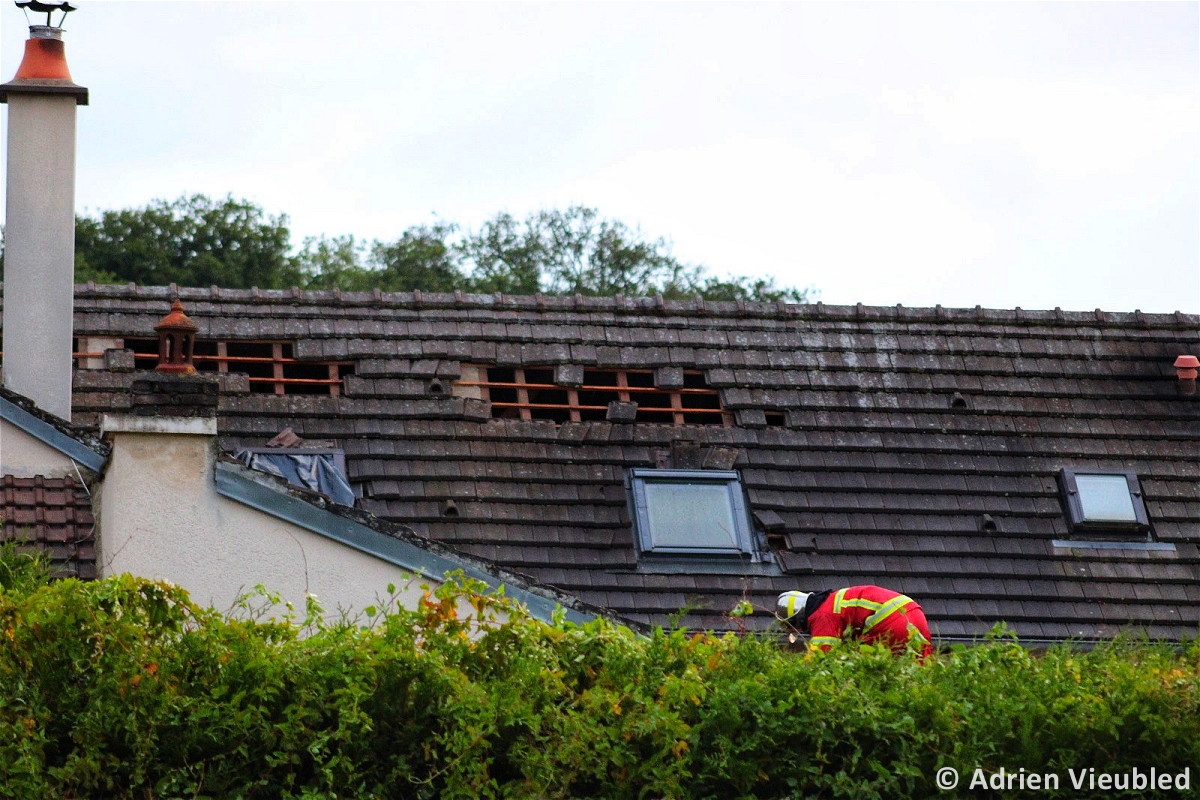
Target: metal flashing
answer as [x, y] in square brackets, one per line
[51, 436]
[682, 565]
[1079, 544]
[232, 484]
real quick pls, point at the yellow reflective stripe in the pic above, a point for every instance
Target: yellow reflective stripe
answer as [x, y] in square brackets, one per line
[791, 606]
[886, 610]
[839, 597]
[818, 641]
[862, 603]
[840, 602]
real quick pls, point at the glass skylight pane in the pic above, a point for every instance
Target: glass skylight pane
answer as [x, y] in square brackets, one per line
[692, 515]
[1105, 498]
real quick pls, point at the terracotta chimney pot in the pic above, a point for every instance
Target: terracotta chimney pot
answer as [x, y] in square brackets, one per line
[176, 342]
[45, 57]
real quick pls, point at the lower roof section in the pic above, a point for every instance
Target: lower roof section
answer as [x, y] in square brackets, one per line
[53, 515]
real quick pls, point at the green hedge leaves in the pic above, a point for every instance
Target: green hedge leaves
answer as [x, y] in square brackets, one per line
[125, 688]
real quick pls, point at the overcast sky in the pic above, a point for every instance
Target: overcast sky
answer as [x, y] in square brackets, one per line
[1001, 154]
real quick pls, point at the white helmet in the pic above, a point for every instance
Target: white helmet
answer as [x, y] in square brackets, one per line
[790, 604]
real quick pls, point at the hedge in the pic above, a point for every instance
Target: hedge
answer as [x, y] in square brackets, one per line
[126, 688]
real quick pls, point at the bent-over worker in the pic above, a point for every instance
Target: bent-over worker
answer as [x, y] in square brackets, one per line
[870, 614]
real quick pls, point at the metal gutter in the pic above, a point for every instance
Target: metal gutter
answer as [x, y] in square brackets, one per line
[51, 436]
[232, 484]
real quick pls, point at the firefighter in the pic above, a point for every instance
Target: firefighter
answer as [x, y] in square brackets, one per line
[867, 613]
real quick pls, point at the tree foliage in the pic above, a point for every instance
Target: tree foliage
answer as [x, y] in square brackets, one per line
[571, 252]
[198, 241]
[422, 258]
[192, 241]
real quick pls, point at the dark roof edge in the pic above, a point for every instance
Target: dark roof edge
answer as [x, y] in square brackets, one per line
[53, 431]
[648, 305]
[1044, 643]
[393, 543]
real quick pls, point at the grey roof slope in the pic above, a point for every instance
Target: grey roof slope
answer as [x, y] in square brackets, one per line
[878, 475]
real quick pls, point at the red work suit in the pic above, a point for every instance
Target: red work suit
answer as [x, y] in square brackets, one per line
[870, 614]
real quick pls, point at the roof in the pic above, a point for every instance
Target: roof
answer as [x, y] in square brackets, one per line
[871, 443]
[54, 514]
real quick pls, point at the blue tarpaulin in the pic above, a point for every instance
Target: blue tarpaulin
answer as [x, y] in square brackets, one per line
[315, 471]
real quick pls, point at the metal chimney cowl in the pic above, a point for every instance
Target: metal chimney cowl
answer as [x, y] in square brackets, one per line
[43, 68]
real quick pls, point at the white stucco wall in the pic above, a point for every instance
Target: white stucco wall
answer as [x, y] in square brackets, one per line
[26, 456]
[160, 516]
[39, 254]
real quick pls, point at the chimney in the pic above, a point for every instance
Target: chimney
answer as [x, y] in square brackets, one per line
[39, 257]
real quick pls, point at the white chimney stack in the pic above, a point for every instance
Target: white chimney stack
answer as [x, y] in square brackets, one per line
[39, 240]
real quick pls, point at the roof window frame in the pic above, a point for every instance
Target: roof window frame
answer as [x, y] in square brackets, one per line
[1077, 521]
[744, 537]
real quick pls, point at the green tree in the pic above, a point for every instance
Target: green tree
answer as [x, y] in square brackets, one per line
[761, 290]
[422, 258]
[333, 262]
[593, 256]
[198, 241]
[505, 256]
[192, 241]
[577, 252]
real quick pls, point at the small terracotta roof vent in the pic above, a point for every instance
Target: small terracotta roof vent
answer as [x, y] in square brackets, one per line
[176, 341]
[1186, 369]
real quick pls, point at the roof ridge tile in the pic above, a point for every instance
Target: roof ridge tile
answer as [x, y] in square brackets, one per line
[696, 306]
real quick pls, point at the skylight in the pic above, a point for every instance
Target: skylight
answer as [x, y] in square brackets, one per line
[690, 512]
[1104, 501]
